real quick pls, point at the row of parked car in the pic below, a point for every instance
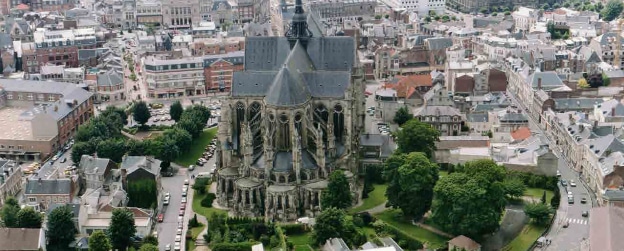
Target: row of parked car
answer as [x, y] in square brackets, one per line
[208, 153]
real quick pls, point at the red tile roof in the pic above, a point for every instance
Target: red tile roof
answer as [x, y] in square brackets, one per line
[22, 7]
[406, 86]
[521, 134]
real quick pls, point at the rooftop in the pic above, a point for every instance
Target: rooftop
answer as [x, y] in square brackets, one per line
[14, 127]
[20, 238]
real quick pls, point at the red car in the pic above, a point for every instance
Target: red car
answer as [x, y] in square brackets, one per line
[161, 217]
[182, 206]
[181, 212]
[367, 93]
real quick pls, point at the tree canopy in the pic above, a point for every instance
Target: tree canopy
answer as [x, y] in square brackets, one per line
[402, 115]
[121, 228]
[61, 229]
[141, 113]
[332, 223]
[417, 137]
[175, 111]
[9, 212]
[148, 247]
[98, 241]
[150, 239]
[337, 194]
[27, 217]
[471, 200]
[612, 10]
[413, 178]
[538, 212]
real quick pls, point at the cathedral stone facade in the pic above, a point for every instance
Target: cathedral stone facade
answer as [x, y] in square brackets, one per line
[294, 115]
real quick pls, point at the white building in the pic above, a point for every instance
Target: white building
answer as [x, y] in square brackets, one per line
[524, 18]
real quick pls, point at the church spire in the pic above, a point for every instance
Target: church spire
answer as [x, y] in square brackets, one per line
[298, 30]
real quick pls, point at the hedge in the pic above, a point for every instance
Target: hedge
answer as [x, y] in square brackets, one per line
[293, 229]
[207, 201]
[534, 180]
[406, 241]
[241, 246]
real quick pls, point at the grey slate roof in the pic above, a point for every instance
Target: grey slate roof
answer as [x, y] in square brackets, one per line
[5, 40]
[549, 80]
[576, 103]
[514, 117]
[133, 163]
[614, 74]
[614, 195]
[75, 208]
[110, 78]
[287, 89]
[476, 118]
[89, 164]
[58, 186]
[438, 43]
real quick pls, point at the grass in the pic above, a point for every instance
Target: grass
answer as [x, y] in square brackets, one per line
[530, 233]
[442, 173]
[190, 245]
[196, 230]
[391, 218]
[375, 198]
[538, 192]
[301, 242]
[205, 211]
[197, 148]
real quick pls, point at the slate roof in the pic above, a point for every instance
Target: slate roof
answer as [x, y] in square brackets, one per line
[607, 108]
[20, 238]
[89, 164]
[5, 40]
[476, 118]
[438, 43]
[58, 186]
[110, 78]
[514, 118]
[75, 208]
[235, 58]
[133, 163]
[576, 103]
[550, 80]
[614, 195]
[606, 226]
[614, 74]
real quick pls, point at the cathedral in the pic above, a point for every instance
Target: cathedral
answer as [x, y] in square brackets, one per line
[294, 115]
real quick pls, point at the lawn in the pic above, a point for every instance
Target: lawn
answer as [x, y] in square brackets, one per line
[197, 149]
[375, 198]
[301, 242]
[196, 230]
[525, 239]
[423, 235]
[538, 192]
[205, 211]
[442, 173]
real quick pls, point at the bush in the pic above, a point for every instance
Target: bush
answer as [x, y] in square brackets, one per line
[241, 246]
[200, 185]
[207, 201]
[293, 229]
[534, 180]
[408, 242]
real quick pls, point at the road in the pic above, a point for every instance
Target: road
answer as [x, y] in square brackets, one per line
[370, 122]
[168, 228]
[569, 238]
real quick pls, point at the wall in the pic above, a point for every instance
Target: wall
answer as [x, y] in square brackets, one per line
[44, 126]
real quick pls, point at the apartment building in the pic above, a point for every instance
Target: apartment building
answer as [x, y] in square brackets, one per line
[42, 193]
[59, 47]
[10, 179]
[39, 117]
[180, 13]
[149, 12]
[60, 74]
[342, 11]
[446, 119]
[524, 18]
[215, 46]
[167, 76]
[219, 69]
[52, 5]
[605, 46]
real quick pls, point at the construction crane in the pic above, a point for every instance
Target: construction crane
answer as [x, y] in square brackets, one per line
[617, 61]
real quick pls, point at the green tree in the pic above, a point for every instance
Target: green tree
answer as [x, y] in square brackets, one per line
[469, 201]
[484, 169]
[135, 147]
[606, 81]
[582, 83]
[402, 115]
[538, 212]
[412, 181]
[61, 230]
[150, 239]
[148, 247]
[337, 194]
[27, 217]
[176, 110]
[121, 228]
[182, 138]
[143, 193]
[169, 151]
[110, 110]
[98, 241]
[543, 200]
[514, 188]
[556, 199]
[332, 223]
[612, 10]
[113, 149]
[141, 113]
[79, 149]
[416, 131]
[9, 213]
[200, 185]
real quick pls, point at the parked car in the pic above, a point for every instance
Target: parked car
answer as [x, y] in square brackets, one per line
[186, 182]
[191, 167]
[161, 217]
[558, 173]
[183, 193]
[168, 247]
[178, 238]
[564, 183]
[183, 206]
[572, 183]
[570, 200]
[63, 160]
[181, 212]
[583, 200]
[166, 201]
[585, 214]
[183, 199]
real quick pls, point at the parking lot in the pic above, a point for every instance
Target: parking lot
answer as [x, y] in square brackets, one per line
[160, 117]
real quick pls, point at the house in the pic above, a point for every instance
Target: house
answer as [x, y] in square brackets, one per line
[10, 179]
[411, 88]
[461, 149]
[41, 193]
[446, 119]
[134, 168]
[609, 111]
[75, 209]
[95, 170]
[100, 220]
[464, 243]
[606, 226]
[375, 148]
[22, 239]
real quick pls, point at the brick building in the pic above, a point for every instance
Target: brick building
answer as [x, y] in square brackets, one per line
[218, 70]
[60, 47]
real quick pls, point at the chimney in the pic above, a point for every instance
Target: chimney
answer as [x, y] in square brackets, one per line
[613, 112]
[539, 83]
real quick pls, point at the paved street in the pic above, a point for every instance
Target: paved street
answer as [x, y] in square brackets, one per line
[370, 122]
[167, 229]
[569, 238]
